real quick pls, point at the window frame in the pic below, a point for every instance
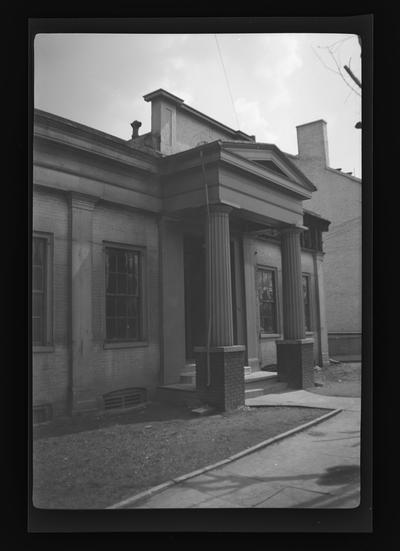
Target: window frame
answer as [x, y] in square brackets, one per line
[143, 302]
[47, 345]
[307, 275]
[274, 270]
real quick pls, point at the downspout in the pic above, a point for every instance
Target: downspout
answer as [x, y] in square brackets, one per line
[208, 271]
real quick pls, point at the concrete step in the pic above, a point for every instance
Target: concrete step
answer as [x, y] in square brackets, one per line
[188, 375]
[260, 376]
[253, 392]
[188, 378]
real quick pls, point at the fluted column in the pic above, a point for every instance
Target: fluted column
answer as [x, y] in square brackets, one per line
[293, 305]
[219, 259]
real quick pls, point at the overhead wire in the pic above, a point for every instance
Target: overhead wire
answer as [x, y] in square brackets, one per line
[227, 81]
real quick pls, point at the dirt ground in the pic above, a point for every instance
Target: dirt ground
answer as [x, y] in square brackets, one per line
[94, 462]
[342, 379]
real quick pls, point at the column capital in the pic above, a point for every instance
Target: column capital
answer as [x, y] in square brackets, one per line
[290, 230]
[82, 201]
[220, 207]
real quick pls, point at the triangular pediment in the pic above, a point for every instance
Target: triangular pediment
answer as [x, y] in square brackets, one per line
[272, 159]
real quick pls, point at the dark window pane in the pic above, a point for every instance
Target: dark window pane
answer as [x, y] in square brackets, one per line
[133, 287]
[132, 328]
[110, 307]
[132, 310]
[110, 329]
[37, 304]
[120, 328]
[112, 262]
[111, 283]
[37, 278]
[122, 286]
[39, 244]
[120, 306]
[121, 262]
[37, 332]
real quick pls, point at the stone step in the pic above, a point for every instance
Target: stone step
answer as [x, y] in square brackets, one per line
[189, 377]
[260, 376]
[253, 392]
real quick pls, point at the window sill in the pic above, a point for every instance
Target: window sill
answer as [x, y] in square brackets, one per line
[49, 348]
[270, 335]
[124, 344]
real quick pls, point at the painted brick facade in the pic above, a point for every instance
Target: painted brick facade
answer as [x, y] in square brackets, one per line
[338, 198]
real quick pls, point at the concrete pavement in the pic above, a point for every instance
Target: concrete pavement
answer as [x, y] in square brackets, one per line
[316, 468]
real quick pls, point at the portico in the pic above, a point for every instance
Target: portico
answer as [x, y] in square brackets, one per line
[217, 190]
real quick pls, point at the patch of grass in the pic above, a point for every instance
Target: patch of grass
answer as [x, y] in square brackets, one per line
[91, 463]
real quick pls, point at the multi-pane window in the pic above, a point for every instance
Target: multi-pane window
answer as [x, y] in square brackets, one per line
[306, 298]
[266, 291]
[123, 295]
[39, 291]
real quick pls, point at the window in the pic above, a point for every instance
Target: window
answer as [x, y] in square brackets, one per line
[306, 298]
[311, 239]
[267, 300]
[41, 318]
[124, 295]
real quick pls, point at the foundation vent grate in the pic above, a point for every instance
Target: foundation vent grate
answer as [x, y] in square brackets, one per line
[124, 398]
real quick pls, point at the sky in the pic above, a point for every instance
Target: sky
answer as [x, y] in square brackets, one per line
[262, 84]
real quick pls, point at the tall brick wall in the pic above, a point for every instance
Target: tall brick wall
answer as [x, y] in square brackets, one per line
[108, 369]
[139, 365]
[338, 198]
[50, 369]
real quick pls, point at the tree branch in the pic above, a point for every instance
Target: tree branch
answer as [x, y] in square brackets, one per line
[352, 75]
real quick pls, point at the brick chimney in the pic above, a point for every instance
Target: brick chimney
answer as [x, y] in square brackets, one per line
[135, 129]
[312, 141]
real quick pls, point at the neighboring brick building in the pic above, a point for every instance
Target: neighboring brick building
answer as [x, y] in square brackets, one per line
[122, 293]
[338, 198]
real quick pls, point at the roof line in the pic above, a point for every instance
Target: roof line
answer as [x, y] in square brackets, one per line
[182, 105]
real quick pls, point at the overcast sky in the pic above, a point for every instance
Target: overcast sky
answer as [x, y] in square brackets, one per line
[276, 81]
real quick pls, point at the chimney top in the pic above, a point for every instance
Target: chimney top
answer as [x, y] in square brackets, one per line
[135, 128]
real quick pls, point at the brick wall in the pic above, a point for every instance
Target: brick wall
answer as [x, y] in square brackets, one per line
[50, 368]
[107, 369]
[338, 198]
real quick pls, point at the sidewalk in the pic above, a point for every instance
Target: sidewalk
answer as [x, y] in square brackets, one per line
[316, 468]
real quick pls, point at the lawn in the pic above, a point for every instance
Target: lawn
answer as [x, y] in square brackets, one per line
[94, 462]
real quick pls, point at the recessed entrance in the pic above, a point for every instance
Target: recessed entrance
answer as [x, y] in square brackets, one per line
[195, 293]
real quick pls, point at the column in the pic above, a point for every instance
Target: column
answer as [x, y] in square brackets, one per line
[218, 249]
[219, 368]
[323, 353]
[293, 305]
[295, 356]
[81, 212]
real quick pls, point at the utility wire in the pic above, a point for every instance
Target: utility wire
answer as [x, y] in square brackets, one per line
[227, 80]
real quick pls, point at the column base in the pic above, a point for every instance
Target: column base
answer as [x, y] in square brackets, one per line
[295, 360]
[226, 389]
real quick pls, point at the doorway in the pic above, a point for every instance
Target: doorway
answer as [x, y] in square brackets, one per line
[195, 293]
